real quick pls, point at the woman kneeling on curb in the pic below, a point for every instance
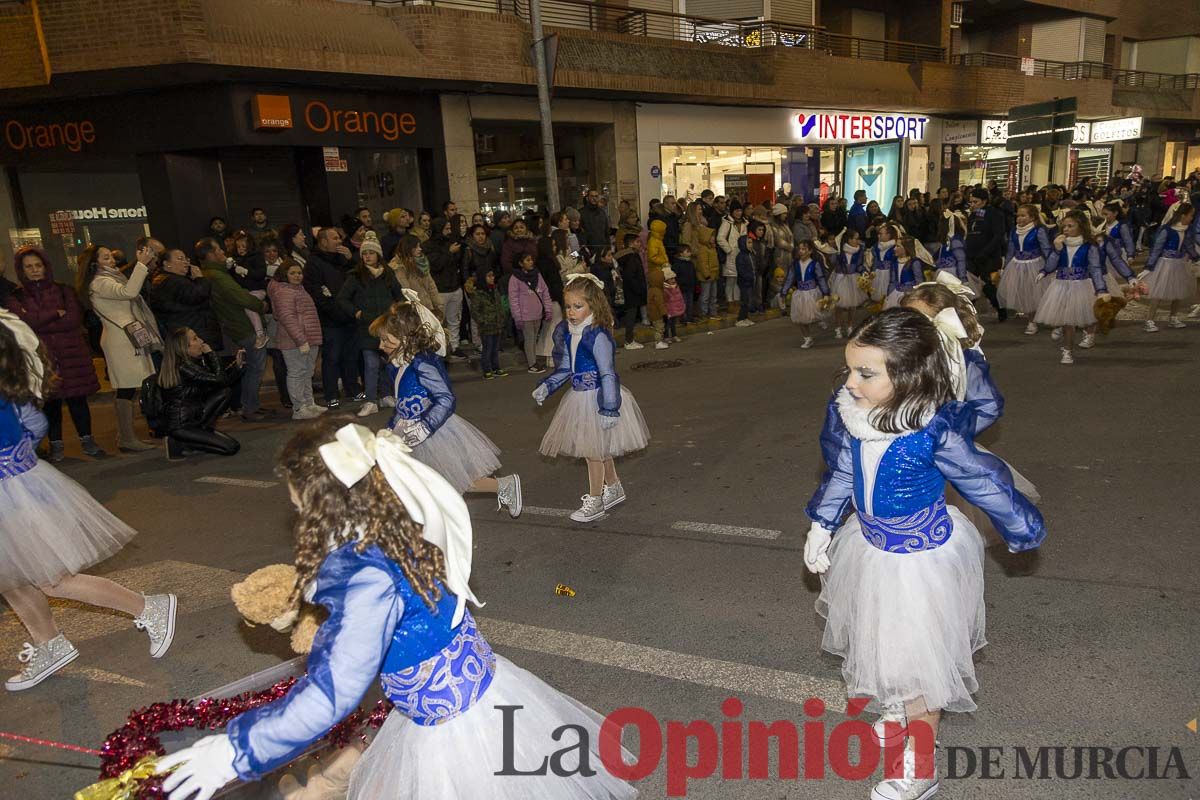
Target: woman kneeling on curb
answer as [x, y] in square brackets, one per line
[196, 390]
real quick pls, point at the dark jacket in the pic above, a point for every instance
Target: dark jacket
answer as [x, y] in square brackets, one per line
[199, 378]
[633, 278]
[685, 274]
[327, 271]
[478, 263]
[857, 219]
[444, 266]
[712, 217]
[178, 301]
[608, 274]
[746, 268]
[372, 296]
[547, 264]
[593, 226]
[487, 312]
[391, 240]
[512, 251]
[38, 304]
[230, 303]
[986, 236]
[833, 220]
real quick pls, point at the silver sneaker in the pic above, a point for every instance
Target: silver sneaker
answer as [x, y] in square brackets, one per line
[508, 493]
[158, 621]
[613, 495]
[41, 661]
[909, 786]
[1088, 342]
[591, 510]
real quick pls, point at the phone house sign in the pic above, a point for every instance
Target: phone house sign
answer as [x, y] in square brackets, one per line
[107, 213]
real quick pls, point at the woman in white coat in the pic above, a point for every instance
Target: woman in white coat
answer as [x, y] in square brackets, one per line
[117, 301]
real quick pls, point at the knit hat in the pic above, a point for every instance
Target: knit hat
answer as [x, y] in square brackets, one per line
[778, 210]
[370, 244]
[668, 274]
[392, 216]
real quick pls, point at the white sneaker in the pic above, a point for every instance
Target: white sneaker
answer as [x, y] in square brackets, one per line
[633, 346]
[807, 343]
[1151, 327]
[388, 402]
[1195, 312]
[1067, 358]
[1056, 334]
[743, 323]
[909, 786]
[661, 346]
[158, 621]
[1176, 322]
[41, 661]
[1031, 329]
[613, 495]
[837, 333]
[307, 412]
[1088, 341]
[368, 408]
[591, 510]
[508, 493]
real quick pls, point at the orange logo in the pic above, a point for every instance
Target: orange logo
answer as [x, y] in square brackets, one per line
[272, 112]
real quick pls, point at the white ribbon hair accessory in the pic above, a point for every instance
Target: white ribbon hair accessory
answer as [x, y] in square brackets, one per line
[585, 276]
[429, 318]
[951, 331]
[921, 253]
[952, 283]
[28, 341]
[428, 498]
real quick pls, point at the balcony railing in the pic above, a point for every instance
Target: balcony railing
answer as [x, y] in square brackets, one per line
[1155, 80]
[591, 16]
[1063, 70]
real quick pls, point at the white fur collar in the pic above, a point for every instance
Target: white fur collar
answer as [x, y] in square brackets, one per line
[858, 420]
[1024, 229]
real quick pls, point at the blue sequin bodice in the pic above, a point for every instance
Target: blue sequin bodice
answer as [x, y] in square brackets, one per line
[412, 397]
[906, 481]
[19, 458]
[1077, 269]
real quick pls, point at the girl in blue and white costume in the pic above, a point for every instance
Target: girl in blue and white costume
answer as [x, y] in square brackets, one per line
[1028, 249]
[952, 253]
[1116, 247]
[598, 419]
[424, 415]
[910, 260]
[844, 255]
[808, 277]
[1071, 297]
[882, 259]
[384, 543]
[1168, 276]
[903, 597]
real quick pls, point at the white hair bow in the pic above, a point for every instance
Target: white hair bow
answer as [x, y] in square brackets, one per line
[28, 341]
[584, 276]
[428, 498]
[429, 318]
[951, 331]
[952, 283]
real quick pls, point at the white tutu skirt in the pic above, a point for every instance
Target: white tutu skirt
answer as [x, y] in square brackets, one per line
[805, 310]
[1019, 289]
[906, 624]
[458, 759]
[459, 452]
[575, 430]
[880, 283]
[50, 528]
[1171, 279]
[1113, 281]
[1067, 303]
[893, 299]
[846, 288]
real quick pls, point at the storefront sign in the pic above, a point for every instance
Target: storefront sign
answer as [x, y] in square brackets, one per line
[836, 127]
[333, 160]
[321, 118]
[1028, 66]
[960, 131]
[995, 131]
[61, 223]
[271, 112]
[71, 135]
[736, 184]
[1026, 167]
[102, 213]
[1116, 130]
[655, 172]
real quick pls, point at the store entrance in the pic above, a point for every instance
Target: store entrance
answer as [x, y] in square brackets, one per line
[511, 174]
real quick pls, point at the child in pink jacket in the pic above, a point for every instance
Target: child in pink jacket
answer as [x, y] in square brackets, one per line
[675, 305]
[529, 302]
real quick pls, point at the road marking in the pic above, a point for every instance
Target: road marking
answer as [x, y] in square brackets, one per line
[252, 484]
[726, 530]
[102, 676]
[791, 687]
[198, 587]
[548, 512]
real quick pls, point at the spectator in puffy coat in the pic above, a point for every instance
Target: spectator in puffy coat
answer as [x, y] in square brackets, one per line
[368, 293]
[298, 336]
[53, 312]
[733, 228]
[196, 390]
[488, 314]
[181, 297]
[518, 242]
[412, 271]
[529, 303]
[656, 301]
[656, 250]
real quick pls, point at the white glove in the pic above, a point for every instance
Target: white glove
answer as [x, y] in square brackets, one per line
[540, 394]
[241, 271]
[415, 433]
[204, 769]
[1041, 275]
[816, 549]
[607, 422]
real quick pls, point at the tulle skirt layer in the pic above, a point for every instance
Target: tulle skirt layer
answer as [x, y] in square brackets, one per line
[460, 452]
[847, 291]
[1019, 289]
[459, 759]
[879, 284]
[805, 310]
[1172, 279]
[893, 299]
[50, 527]
[1067, 303]
[906, 624]
[576, 431]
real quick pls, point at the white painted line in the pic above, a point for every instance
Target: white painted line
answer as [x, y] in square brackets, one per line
[726, 530]
[548, 512]
[791, 687]
[237, 482]
[102, 676]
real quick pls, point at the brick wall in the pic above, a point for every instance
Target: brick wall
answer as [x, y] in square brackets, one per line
[22, 63]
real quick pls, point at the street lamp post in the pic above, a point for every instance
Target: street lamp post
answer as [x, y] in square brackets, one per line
[543, 90]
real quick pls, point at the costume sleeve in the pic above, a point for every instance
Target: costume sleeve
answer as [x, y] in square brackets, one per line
[1127, 246]
[562, 361]
[832, 499]
[1160, 244]
[33, 421]
[604, 349]
[789, 280]
[1095, 270]
[1011, 249]
[1043, 240]
[984, 480]
[437, 383]
[960, 258]
[347, 652]
[822, 283]
[982, 393]
[1114, 249]
[1051, 265]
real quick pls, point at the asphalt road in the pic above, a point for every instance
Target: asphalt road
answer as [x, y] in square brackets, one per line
[1093, 640]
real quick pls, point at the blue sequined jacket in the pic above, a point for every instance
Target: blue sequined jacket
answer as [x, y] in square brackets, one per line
[849, 264]
[1118, 249]
[1084, 264]
[897, 483]
[592, 369]
[883, 258]
[1170, 243]
[952, 258]
[423, 392]
[806, 276]
[905, 276]
[21, 428]
[1033, 244]
[378, 626]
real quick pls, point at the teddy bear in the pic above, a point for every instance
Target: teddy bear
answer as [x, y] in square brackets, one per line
[268, 596]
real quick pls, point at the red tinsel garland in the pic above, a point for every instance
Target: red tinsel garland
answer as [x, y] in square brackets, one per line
[138, 737]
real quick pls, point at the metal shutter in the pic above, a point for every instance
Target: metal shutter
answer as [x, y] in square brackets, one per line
[1058, 40]
[1098, 167]
[791, 12]
[263, 177]
[726, 9]
[1093, 39]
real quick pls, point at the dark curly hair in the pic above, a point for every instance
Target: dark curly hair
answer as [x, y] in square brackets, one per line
[404, 322]
[918, 371]
[16, 370]
[369, 513]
